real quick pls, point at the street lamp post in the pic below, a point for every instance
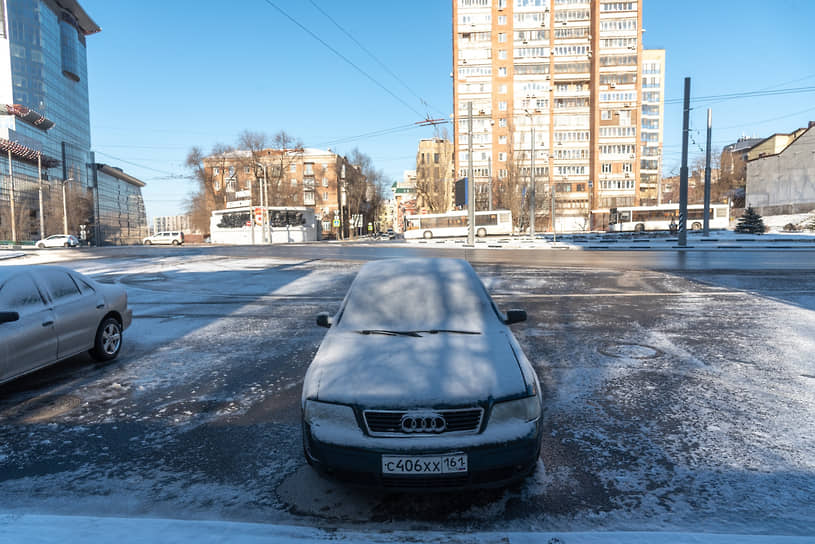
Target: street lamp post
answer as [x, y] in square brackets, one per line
[65, 206]
[264, 215]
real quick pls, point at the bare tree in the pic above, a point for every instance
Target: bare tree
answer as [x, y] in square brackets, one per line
[208, 195]
[286, 151]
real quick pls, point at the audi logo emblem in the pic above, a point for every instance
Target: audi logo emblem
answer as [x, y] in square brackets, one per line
[423, 423]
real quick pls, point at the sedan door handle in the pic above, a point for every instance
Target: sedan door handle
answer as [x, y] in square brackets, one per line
[100, 306]
[47, 323]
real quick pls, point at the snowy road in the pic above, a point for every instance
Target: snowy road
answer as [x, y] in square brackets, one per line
[679, 401]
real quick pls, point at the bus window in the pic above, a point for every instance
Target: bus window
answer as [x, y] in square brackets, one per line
[504, 217]
[486, 219]
[625, 216]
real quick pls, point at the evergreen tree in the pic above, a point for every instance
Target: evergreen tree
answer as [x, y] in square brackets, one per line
[750, 222]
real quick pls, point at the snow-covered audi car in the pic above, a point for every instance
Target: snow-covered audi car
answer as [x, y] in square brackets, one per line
[419, 383]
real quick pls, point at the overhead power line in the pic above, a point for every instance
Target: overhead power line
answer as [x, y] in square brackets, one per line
[746, 94]
[175, 176]
[374, 57]
[343, 57]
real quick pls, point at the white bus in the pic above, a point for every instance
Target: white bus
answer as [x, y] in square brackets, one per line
[243, 225]
[443, 225]
[642, 218]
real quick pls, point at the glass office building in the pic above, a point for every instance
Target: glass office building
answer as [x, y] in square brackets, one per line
[45, 121]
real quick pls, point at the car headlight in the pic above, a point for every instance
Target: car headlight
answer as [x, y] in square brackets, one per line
[318, 414]
[525, 409]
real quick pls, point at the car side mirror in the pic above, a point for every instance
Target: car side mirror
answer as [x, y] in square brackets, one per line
[515, 316]
[324, 320]
[8, 317]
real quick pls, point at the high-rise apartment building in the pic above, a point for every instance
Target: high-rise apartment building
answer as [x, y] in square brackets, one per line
[653, 103]
[567, 71]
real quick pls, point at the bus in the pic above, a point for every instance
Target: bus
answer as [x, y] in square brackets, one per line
[443, 225]
[244, 225]
[642, 218]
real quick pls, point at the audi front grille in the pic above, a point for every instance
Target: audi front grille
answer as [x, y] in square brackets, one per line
[389, 422]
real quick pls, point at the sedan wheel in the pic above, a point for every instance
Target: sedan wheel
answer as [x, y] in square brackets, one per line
[148, 243]
[66, 244]
[108, 340]
[41, 246]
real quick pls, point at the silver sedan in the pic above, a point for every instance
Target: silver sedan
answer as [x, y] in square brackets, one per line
[50, 313]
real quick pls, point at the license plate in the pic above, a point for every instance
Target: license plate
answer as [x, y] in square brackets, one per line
[451, 463]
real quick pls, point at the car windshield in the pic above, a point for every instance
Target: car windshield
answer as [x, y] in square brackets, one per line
[406, 295]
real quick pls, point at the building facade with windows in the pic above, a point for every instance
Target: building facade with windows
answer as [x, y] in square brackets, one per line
[45, 132]
[318, 179]
[569, 72]
[653, 105]
[434, 175]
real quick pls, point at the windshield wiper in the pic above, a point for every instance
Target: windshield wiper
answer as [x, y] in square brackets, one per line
[415, 334]
[390, 333]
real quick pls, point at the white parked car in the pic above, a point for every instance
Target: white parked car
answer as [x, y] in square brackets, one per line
[50, 313]
[58, 240]
[433, 392]
[174, 237]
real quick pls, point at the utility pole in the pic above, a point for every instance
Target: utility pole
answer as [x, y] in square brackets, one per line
[532, 185]
[39, 194]
[554, 230]
[489, 186]
[264, 213]
[707, 174]
[683, 171]
[64, 207]
[11, 199]
[470, 182]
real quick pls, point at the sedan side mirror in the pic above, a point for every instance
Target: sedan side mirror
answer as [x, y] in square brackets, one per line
[515, 316]
[324, 320]
[8, 317]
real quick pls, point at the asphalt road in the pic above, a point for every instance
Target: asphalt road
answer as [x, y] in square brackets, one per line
[677, 388]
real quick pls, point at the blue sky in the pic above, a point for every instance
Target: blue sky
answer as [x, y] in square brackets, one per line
[165, 76]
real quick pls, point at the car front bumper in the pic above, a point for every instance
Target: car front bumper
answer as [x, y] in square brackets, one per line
[490, 464]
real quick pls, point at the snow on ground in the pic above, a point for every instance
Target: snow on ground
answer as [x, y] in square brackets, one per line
[36, 529]
[674, 402]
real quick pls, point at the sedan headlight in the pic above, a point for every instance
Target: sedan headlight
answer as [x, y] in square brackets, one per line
[329, 415]
[525, 409]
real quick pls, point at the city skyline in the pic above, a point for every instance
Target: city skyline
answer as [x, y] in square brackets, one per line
[147, 115]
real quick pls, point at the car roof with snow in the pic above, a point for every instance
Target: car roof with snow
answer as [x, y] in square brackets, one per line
[418, 294]
[8, 271]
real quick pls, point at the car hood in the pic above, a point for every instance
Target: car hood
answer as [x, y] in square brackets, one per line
[443, 369]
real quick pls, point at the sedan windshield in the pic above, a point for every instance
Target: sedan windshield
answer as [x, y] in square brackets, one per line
[416, 296]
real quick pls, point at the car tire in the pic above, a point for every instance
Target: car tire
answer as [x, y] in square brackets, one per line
[176, 243]
[427, 235]
[108, 341]
[696, 226]
[639, 227]
[481, 233]
[66, 244]
[41, 246]
[148, 243]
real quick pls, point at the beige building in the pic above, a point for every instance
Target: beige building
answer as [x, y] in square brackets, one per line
[569, 71]
[435, 175]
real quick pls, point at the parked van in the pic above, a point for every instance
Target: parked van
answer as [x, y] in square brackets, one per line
[175, 238]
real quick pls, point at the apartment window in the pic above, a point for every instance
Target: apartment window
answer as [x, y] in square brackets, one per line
[293, 168]
[502, 54]
[627, 167]
[502, 173]
[216, 171]
[502, 89]
[502, 140]
[325, 195]
[502, 71]
[502, 122]
[502, 37]
[502, 19]
[502, 156]
[502, 106]
[435, 158]
[294, 182]
[217, 184]
[605, 115]
[325, 181]
[247, 169]
[308, 169]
